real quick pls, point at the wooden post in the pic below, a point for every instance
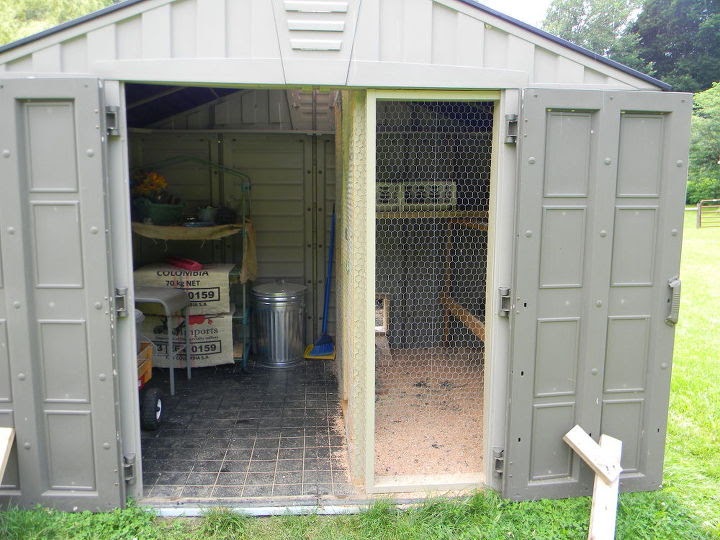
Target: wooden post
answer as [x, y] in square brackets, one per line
[6, 439]
[604, 460]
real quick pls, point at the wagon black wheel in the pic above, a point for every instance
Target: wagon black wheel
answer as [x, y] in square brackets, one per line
[151, 409]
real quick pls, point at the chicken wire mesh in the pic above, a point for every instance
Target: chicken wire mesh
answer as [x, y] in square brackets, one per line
[433, 163]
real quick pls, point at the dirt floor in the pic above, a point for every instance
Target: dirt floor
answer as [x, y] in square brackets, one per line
[428, 411]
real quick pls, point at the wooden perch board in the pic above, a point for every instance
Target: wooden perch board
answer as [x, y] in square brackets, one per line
[472, 323]
[7, 435]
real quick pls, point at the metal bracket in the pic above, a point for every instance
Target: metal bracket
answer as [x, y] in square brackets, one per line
[498, 461]
[112, 120]
[129, 469]
[121, 302]
[505, 301]
[511, 128]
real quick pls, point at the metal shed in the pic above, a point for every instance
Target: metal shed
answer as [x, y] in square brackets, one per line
[510, 213]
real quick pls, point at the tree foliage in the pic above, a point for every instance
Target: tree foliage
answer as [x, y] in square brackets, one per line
[682, 40]
[704, 182]
[20, 18]
[677, 41]
[600, 26]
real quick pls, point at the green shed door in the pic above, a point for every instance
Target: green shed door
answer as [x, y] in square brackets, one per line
[57, 376]
[598, 236]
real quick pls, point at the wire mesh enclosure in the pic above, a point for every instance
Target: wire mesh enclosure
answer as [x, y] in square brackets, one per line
[432, 192]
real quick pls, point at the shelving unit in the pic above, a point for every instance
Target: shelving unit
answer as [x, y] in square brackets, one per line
[244, 226]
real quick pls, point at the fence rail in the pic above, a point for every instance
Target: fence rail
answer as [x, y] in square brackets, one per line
[708, 213]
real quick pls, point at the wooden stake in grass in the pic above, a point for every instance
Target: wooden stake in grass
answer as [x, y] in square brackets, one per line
[604, 459]
[6, 439]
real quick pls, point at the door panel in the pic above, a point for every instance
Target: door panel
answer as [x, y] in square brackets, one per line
[56, 308]
[599, 215]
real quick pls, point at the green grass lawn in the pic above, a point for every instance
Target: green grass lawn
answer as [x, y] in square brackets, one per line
[688, 506]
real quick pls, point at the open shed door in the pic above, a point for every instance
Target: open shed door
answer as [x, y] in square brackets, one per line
[598, 236]
[57, 376]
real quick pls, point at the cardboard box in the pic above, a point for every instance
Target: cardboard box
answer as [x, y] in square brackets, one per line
[208, 289]
[211, 340]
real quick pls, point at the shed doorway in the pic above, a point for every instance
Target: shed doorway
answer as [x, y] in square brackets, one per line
[237, 430]
[433, 164]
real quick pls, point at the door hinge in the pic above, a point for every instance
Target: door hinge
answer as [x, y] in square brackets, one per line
[511, 128]
[121, 302]
[498, 461]
[129, 469]
[505, 301]
[112, 120]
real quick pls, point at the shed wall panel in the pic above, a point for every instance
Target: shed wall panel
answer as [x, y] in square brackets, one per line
[444, 23]
[470, 34]
[212, 28]
[102, 44]
[156, 32]
[184, 29]
[315, 46]
[74, 55]
[49, 59]
[129, 39]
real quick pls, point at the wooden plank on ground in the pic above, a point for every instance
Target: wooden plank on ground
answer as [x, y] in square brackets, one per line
[7, 435]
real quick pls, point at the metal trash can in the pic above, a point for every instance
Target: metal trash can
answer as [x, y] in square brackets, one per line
[278, 324]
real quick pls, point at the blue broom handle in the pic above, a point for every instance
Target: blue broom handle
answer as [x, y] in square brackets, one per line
[328, 275]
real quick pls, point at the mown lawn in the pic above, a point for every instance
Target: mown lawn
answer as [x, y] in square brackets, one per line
[688, 506]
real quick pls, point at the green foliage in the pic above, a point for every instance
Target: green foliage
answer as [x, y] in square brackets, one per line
[681, 38]
[221, 523]
[600, 26]
[702, 188]
[20, 18]
[704, 173]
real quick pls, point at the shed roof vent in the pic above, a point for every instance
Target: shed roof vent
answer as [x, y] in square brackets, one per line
[317, 25]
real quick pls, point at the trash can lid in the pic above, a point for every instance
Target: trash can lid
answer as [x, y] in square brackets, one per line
[279, 289]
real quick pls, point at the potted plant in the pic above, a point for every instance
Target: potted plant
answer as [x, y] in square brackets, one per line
[152, 203]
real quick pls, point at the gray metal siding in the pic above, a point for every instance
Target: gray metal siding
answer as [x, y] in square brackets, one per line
[385, 43]
[293, 181]
[57, 318]
[599, 216]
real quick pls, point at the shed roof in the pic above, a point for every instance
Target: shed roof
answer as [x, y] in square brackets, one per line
[374, 43]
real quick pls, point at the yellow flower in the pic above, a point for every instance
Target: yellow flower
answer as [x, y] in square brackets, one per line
[149, 184]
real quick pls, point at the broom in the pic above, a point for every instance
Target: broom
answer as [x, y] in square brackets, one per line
[324, 346]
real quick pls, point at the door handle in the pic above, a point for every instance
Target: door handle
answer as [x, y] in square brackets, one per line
[675, 286]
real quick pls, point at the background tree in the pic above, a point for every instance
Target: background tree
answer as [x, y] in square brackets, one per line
[704, 181]
[20, 18]
[682, 40]
[601, 26]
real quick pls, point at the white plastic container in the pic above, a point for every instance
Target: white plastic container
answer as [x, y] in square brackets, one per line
[139, 318]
